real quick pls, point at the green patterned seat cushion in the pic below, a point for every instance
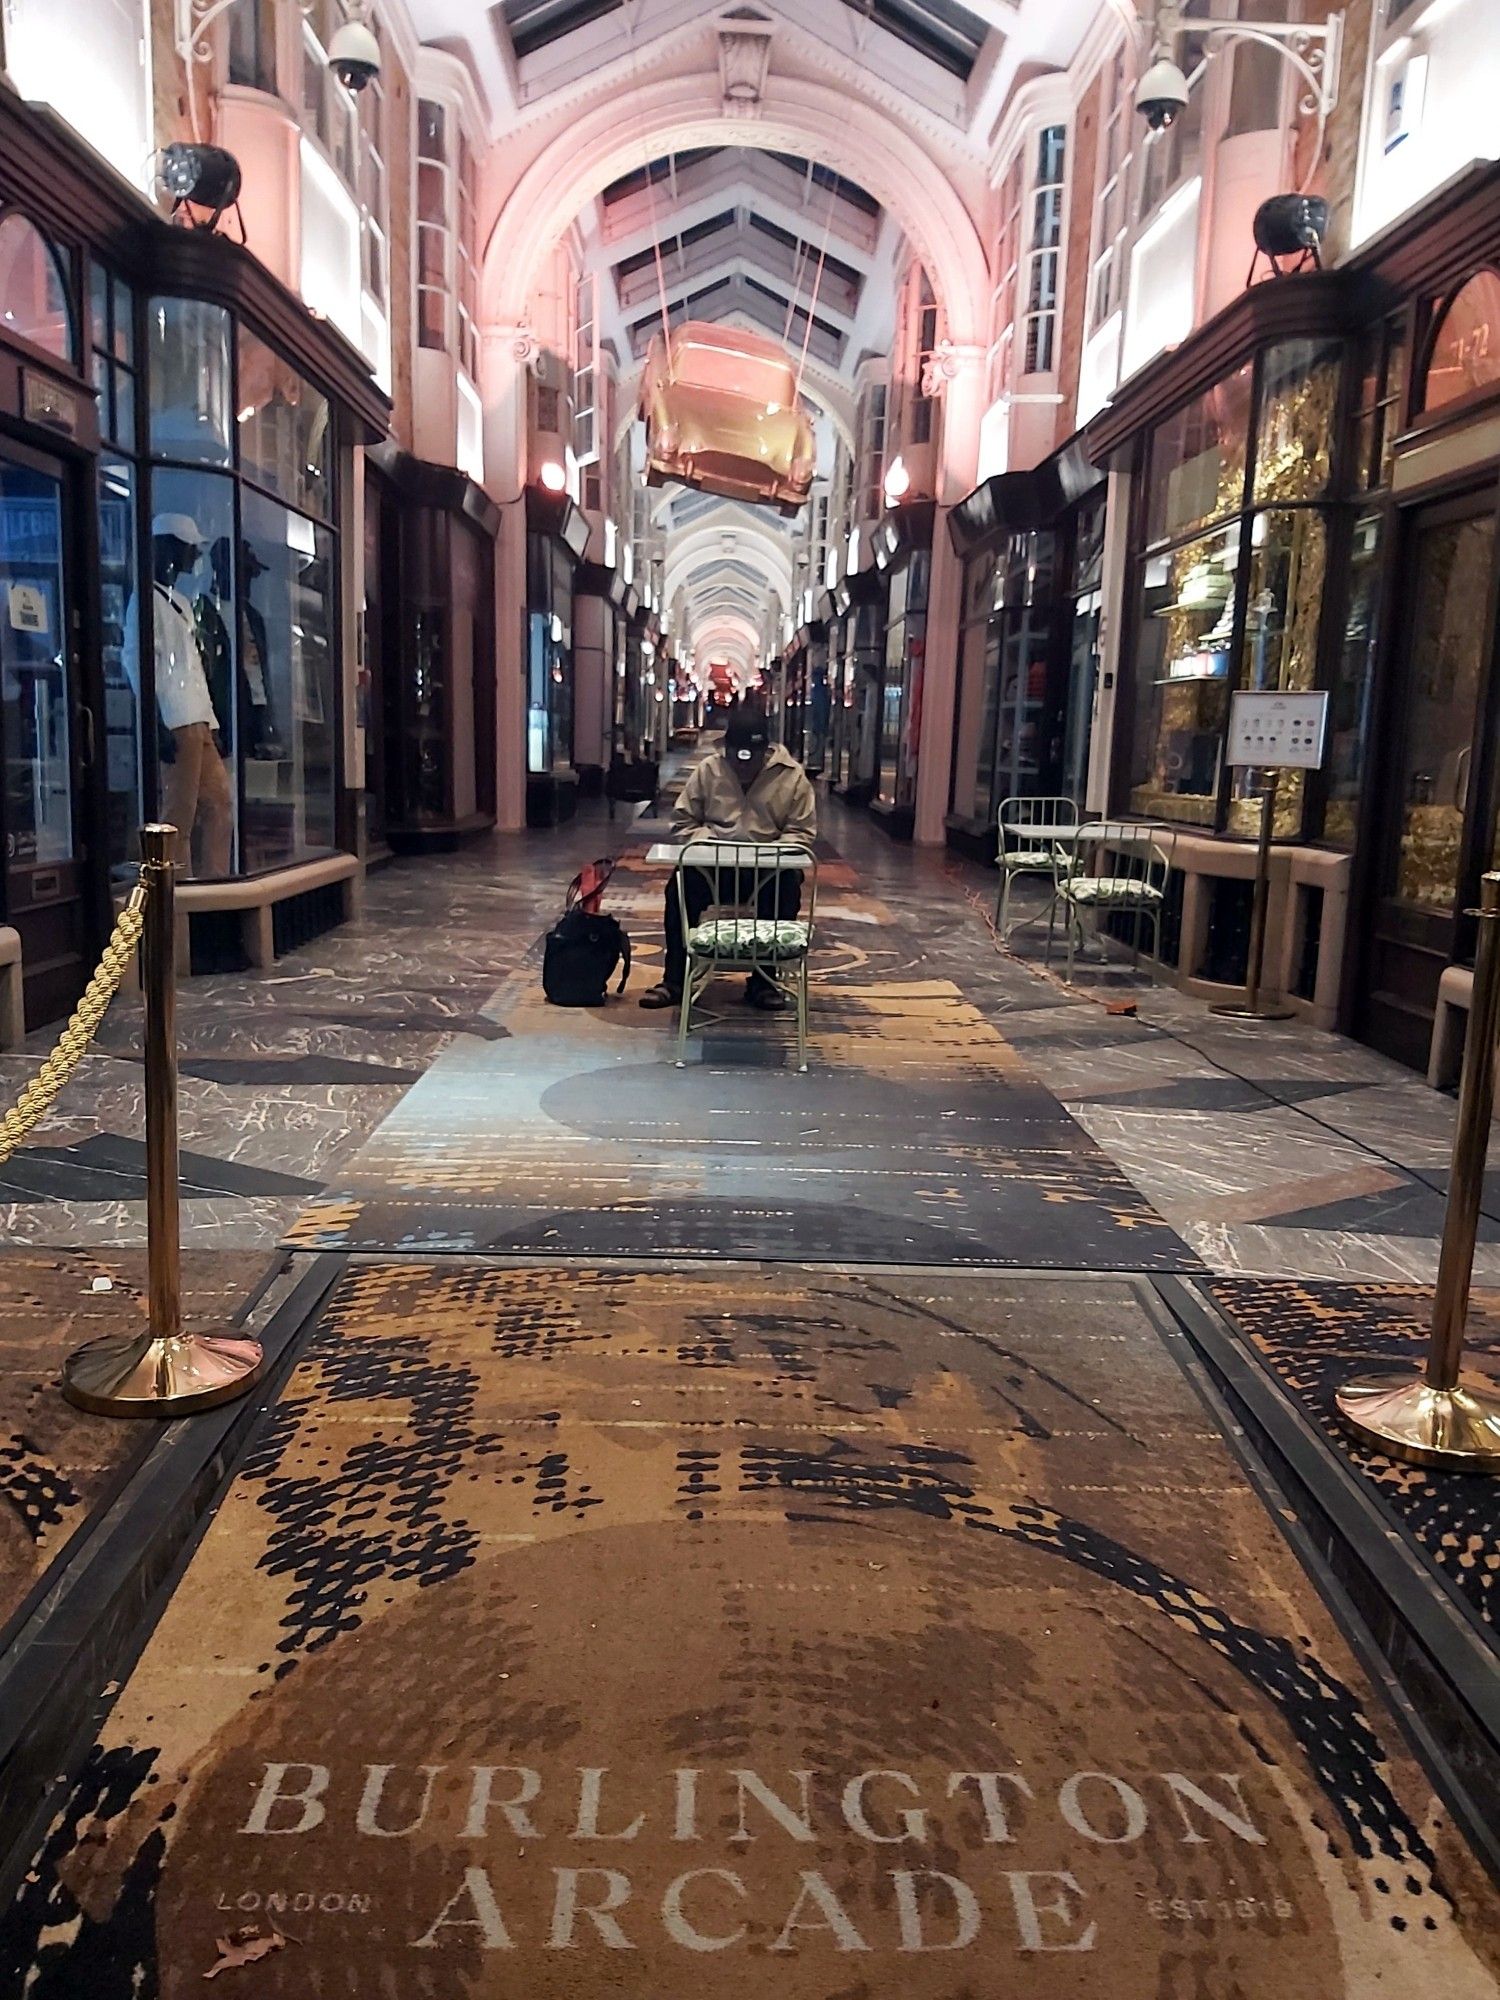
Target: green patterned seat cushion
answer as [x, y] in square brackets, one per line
[1110, 889]
[750, 937]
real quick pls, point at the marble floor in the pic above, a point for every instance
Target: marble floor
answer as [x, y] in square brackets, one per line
[1268, 1150]
[1274, 1149]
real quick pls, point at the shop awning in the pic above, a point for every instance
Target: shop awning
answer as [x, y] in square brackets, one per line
[1015, 503]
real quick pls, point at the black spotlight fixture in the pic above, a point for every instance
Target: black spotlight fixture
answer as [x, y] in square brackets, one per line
[1290, 226]
[201, 178]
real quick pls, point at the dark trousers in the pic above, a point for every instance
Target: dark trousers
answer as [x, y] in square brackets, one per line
[780, 896]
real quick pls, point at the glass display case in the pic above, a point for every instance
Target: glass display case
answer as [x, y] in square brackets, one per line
[1231, 582]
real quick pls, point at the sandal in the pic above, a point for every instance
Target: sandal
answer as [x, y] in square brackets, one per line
[660, 996]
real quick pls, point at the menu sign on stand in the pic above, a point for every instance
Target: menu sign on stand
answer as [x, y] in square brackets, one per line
[1270, 733]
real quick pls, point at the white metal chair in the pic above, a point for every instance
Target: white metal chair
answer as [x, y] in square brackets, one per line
[1113, 866]
[738, 928]
[1029, 830]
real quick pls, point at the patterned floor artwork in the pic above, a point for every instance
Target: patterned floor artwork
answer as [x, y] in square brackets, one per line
[1317, 1337]
[56, 1464]
[804, 1632]
[919, 1135]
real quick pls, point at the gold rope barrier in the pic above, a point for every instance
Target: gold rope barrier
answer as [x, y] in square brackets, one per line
[161, 1371]
[39, 1096]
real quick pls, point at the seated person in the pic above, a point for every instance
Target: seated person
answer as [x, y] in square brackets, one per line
[749, 790]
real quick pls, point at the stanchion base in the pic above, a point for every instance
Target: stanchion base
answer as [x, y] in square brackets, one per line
[1235, 1010]
[137, 1375]
[1455, 1430]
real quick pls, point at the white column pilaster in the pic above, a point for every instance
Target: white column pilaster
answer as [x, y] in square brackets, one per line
[960, 368]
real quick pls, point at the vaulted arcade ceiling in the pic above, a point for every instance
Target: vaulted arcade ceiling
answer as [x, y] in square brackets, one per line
[949, 35]
[776, 242]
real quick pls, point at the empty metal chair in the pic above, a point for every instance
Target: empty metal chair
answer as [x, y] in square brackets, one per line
[1115, 866]
[732, 922]
[1033, 841]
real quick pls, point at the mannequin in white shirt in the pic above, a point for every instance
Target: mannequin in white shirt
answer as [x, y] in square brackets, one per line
[196, 792]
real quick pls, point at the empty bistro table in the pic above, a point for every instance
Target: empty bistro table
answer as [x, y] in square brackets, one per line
[667, 853]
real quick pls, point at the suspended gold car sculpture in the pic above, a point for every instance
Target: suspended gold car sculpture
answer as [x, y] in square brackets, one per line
[723, 415]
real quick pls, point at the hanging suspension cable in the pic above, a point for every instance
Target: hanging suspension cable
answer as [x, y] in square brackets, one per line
[799, 267]
[803, 258]
[661, 275]
[812, 305]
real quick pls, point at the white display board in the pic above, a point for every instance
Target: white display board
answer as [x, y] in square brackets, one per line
[1277, 732]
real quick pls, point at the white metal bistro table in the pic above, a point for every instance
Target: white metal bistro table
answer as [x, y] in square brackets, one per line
[749, 853]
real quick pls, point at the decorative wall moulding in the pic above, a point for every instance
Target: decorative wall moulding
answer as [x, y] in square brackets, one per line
[744, 61]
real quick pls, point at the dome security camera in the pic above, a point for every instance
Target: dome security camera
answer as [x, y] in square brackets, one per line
[1161, 94]
[354, 56]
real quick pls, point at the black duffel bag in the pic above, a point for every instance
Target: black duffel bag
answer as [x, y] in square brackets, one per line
[582, 950]
[584, 946]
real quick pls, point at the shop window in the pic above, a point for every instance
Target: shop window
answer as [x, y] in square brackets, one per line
[1353, 687]
[1382, 402]
[119, 616]
[188, 356]
[1294, 439]
[1279, 653]
[1197, 471]
[1452, 564]
[244, 597]
[1197, 465]
[112, 344]
[194, 661]
[1183, 661]
[1464, 361]
[1017, 742]
[283, 428]
[286, 685]
[35, 292]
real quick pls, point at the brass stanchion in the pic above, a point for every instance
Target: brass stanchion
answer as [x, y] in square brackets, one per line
[1446, 1417]
[163, 1372]
[1250, 1009]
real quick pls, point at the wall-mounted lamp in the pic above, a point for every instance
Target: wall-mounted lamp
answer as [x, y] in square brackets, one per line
[554, 477]
[1290, 225]
[897, 482]
[205, 178]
